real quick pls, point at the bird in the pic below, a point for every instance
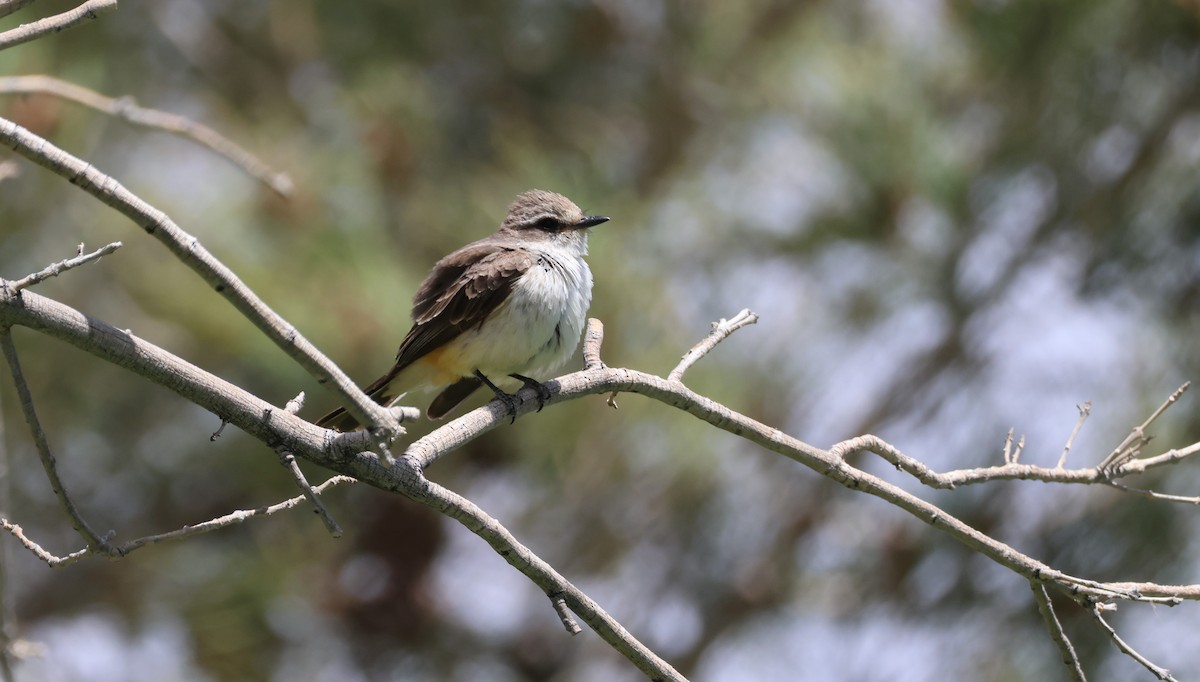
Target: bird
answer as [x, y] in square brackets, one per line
[511, 304]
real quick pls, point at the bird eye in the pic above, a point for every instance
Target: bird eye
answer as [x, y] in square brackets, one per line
[547, 223]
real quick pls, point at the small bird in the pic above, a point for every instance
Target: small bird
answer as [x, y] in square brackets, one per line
[512, 303]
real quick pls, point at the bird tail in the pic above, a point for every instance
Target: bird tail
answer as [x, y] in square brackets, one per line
[454, 394]
[341, 420]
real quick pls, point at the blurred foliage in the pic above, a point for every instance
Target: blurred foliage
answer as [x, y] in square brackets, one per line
[954, 216]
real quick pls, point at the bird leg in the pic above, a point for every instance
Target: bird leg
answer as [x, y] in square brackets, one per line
[509, 400]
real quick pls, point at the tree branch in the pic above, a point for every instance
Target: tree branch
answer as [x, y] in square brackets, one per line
[189, 250]
[277, 428]
[720, 331]
[126, 109]
[1128, 449]
[59, 22]
[62, 266]
[94, 541]
[1057, 635]
[230, 519]
[1158, 671]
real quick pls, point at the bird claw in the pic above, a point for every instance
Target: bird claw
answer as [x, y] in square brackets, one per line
[543, 393]
[510, 405]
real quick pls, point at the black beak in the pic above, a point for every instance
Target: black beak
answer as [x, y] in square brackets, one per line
[592, 221]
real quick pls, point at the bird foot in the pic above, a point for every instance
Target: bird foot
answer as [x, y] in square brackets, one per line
[510, 401]
[543, 393]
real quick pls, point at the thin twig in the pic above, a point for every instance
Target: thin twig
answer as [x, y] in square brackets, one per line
[720, 330]
[564, 614]
[1158, 671]
[1084, 410]
[543, 574]
[1012, 471]
[1059, 637]
[593, 338]
[126, 109]
[1008, 443]
[1137, 437]
[93, 540]
[38, 550]
[289, 462]
[1152, 495]
[62, 266]
[230, 519]
[295, 404]
[59, 22]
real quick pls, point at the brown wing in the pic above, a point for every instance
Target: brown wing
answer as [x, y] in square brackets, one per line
[460, 293]
[463, 289]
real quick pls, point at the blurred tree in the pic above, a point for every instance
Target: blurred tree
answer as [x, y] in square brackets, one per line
[954, 216]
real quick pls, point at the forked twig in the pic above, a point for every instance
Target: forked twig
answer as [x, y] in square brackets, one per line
[1084, 410]
[720, 330]
[230, 519]
[1128, 449]
[288, 460]
[62, 266]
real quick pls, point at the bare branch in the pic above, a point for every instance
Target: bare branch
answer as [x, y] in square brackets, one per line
[720, 331]
[277, 427]
[126, 109]
[593, 338]
[62, 266]
[564, 614]
[1152, 495]
[296, 404]
[1128, 449]
[189, 250]
[230, 519]
[289, 462]
[59, 22]
[541, 573]
[37, 549]
[1010, 471]
[1057, 635]
[94, 541]
[1159, 672]
[1084, 410]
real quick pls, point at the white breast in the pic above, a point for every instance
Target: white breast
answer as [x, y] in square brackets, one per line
[538, 328]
